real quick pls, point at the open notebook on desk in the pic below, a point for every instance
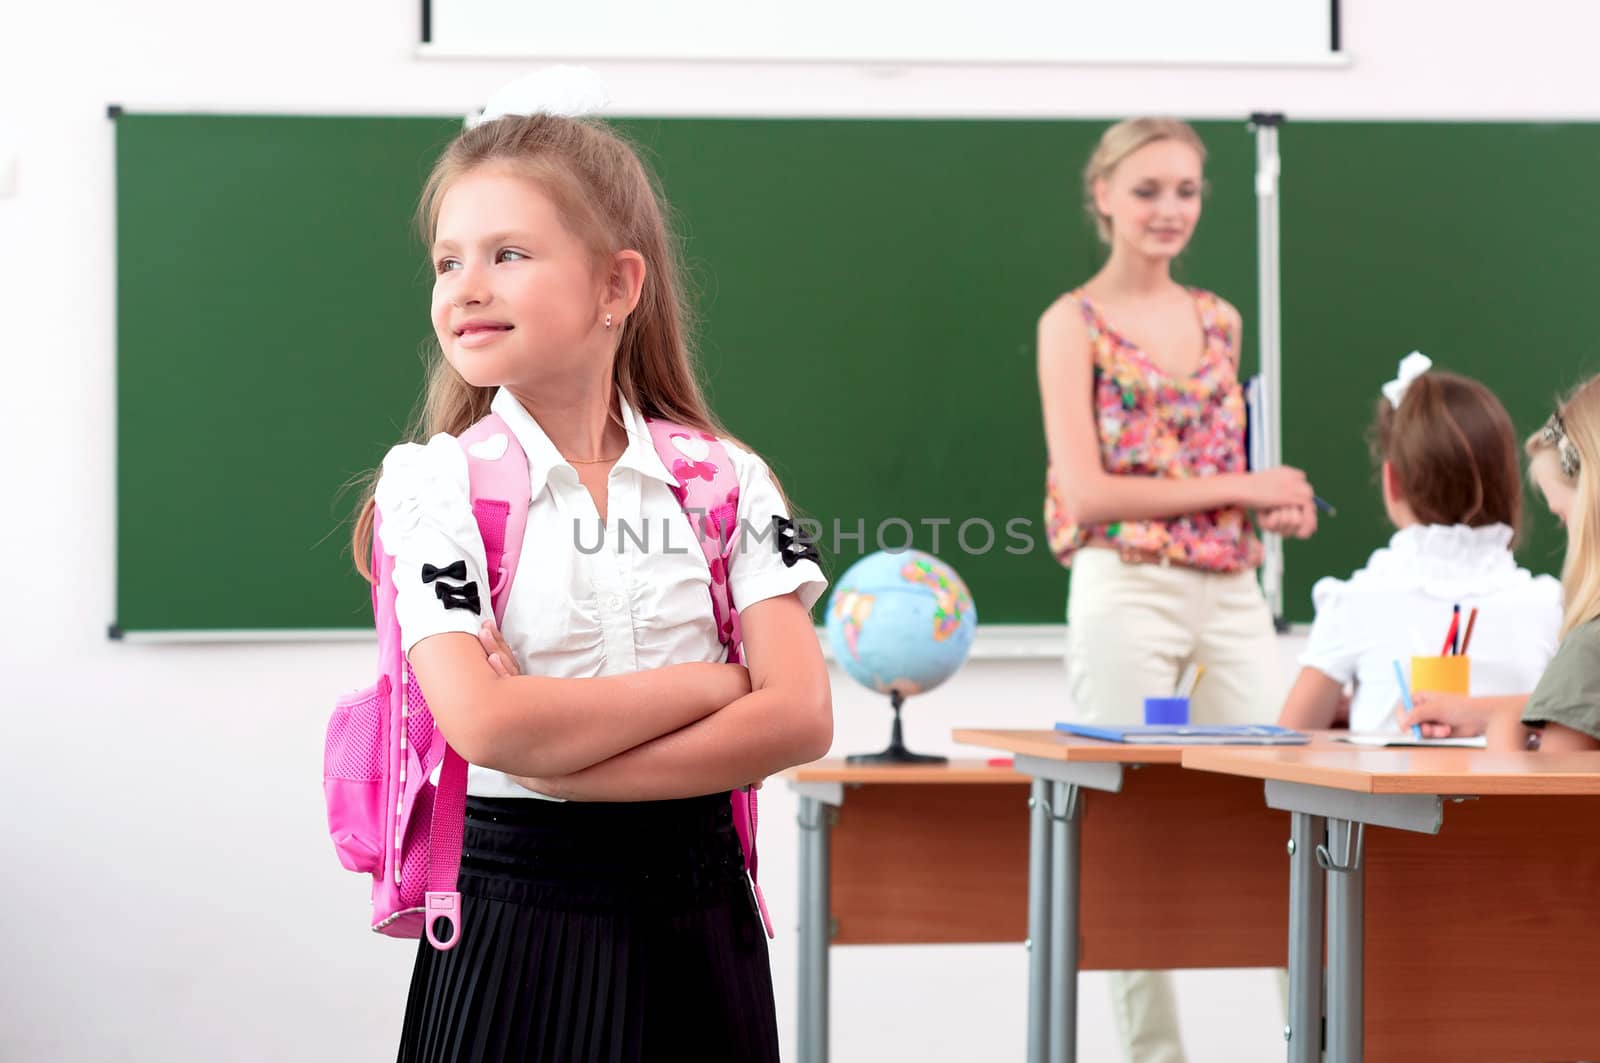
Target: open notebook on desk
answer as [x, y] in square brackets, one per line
[1243, 734]
[1408, 739]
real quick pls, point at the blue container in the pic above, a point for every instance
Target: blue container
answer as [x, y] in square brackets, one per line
[1166, 710]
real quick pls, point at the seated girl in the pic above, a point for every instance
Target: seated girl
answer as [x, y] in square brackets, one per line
[1451, 486]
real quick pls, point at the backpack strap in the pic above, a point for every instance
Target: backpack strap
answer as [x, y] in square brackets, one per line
[707, 487]
[497, 472]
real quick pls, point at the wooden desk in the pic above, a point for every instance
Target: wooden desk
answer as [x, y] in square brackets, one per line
[1480, 944]
[921, 853]
[1178, 869]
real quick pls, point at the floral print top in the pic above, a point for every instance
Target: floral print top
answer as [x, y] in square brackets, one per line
[1153, 424]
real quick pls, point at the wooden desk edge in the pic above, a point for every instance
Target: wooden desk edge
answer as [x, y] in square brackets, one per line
[1376, 777]
[957, 770]
[1225, 761]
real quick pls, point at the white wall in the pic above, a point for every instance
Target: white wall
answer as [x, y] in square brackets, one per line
[169, 890]
[894, 30]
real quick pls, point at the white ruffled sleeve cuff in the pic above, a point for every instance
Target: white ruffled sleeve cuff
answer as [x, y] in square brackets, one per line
[428, 528]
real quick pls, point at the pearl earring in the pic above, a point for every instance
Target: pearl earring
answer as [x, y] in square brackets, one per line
[608, 322]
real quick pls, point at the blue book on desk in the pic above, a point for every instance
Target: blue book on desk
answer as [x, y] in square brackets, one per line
[1178, 734]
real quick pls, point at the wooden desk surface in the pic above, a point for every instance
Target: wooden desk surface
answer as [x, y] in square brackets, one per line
[955, 771]
[930, 862]
[1053, 745]
[1407, 771]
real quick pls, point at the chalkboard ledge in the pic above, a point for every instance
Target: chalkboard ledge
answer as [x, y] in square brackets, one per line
[1030, 642]
[341, 634]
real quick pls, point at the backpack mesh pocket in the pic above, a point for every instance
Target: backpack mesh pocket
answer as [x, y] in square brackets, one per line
[352, 776]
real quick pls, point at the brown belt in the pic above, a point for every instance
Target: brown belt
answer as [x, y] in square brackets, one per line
[1133, 556]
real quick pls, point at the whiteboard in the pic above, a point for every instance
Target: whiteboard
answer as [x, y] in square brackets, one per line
[891, 31]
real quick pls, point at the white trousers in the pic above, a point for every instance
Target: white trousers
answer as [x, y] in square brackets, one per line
[1131, 629]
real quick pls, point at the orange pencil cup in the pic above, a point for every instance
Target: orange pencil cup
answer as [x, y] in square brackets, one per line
[1441, 675]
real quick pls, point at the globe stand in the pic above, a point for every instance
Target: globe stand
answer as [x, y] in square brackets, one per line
[896, 753]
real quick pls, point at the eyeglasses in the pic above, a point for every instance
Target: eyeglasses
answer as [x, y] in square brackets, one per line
[1554, 434]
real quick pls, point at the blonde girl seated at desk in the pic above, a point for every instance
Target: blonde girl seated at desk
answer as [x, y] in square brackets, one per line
[1451, 486]
[1563, 713]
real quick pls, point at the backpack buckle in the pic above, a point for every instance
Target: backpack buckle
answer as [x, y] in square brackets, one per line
[444, 905]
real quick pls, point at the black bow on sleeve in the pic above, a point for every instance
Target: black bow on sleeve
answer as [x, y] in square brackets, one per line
[792, 543]
[459, 597]
[456, 570]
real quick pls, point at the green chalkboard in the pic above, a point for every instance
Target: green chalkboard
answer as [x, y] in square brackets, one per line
[867, 291]
[271, 308]
[1469, 242]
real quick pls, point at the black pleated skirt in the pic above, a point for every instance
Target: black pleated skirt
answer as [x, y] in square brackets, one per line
[597, 933]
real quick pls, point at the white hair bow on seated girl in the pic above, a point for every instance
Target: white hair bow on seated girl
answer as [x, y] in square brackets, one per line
[569, 91]
[1412, 366]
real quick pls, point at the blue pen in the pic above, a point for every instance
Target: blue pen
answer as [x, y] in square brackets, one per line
[1324, 505]
[1405, 697]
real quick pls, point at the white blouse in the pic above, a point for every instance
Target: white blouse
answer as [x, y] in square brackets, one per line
[590, 598]
[1399, 606]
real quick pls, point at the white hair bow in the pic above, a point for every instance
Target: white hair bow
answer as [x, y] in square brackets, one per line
[570, 91]
[1412, 366]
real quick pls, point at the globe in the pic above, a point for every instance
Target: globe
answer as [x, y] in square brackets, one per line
[900, 623]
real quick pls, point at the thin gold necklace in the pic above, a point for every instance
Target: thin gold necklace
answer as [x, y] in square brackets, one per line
[591, 461]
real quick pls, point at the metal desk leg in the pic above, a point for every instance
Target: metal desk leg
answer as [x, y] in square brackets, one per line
[1347, 814]
[1064, 923]
[1304, 1030]
[1342, 859]
[815, 931]
[1039, 942]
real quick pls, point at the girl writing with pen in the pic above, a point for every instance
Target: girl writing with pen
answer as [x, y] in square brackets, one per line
[1563, 712]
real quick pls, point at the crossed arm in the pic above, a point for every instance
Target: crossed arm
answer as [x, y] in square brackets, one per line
[668, 732]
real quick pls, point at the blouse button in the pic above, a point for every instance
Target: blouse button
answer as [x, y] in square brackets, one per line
[614, 602]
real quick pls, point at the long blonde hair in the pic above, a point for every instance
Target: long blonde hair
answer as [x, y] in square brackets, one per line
[1579, 420]
[607, 197]
[1122, 140]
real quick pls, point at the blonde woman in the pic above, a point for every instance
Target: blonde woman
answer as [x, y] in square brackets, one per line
[1149, 500]
[1563, 713]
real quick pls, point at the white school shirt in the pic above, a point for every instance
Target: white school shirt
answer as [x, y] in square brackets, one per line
[1399, 606]
[640, 601]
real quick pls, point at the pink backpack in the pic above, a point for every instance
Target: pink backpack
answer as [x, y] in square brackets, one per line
[386, 817]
